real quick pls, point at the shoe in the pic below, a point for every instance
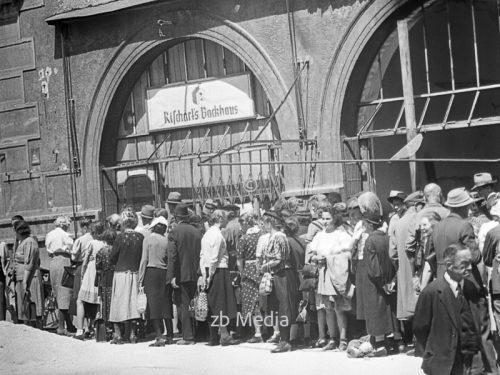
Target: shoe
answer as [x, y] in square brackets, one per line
[320, 343]
[169, 341]
[133, 339]
[343, 345]
[79, 337]
[380, 352]
[332, 345]
[229, 341]
[297, 343]
[186, 342]
[282, 347]
[158, 343]
[255, 340]
[411, 352]
[61, 332]
[116, 341]
[213, 343]
[273, 339]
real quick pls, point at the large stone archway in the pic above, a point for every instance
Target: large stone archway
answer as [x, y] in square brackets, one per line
[201, 24]
[339, 73]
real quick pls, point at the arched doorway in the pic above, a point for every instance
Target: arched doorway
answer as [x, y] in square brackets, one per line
[455, 74]
[142, 166]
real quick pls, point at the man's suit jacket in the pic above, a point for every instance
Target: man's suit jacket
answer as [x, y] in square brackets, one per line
[451, 230]
[184, 245]
[444, 331]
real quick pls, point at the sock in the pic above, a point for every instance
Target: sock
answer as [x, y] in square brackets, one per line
[257, 334]
[79, 332]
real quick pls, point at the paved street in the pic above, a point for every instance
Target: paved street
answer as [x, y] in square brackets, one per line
[27, 351]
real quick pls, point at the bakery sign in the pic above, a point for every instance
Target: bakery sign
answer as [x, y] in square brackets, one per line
[199, 103]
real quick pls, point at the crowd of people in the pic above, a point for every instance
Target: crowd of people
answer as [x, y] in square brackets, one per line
[423, 280]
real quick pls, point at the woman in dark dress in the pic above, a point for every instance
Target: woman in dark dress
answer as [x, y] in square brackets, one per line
[126, 258]
[377, 289]
[104, 279]
[250, 272]
[283, 300]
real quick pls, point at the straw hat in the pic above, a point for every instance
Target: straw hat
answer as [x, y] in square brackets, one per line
[458, 198]
[482, 179]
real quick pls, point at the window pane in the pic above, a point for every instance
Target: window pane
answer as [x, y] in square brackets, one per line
[488, 41]
[436, 109]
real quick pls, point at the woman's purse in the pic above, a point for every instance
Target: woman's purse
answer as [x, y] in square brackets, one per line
[29, 307]
[266, 284]
[142, 301]
[310, 271]
[68, 278]
[201, 306]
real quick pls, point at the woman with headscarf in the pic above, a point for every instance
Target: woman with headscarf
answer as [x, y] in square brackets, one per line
[250, 272]
[59, 245]
[126, 258]
[214, 261]
[283, 300]
[377, 291]
[88, 297]
[28, 278]
[153, 278]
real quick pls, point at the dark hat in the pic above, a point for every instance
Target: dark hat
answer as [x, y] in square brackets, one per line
[415, 198]
[174, 197]
[210, 204]
[273, 215]
[396, 194]
[230, 208]
[482, 179]
[147, 211]
[181, 210]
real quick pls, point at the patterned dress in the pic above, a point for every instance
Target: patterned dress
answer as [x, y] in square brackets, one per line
[105, 280]
[250, 277]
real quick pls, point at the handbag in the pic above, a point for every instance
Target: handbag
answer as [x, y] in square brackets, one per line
[308, 285]
[310, 271]
[201, 306]
[50, 316]
[142, 301]
[266, 284]
[29, 307]
[68, 278]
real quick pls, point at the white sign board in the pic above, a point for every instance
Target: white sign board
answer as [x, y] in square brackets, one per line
[203, 102]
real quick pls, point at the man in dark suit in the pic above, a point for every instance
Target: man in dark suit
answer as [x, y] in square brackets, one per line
[184, 244]
[443, 322]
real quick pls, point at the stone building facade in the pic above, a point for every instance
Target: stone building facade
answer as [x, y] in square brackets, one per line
[328, 80]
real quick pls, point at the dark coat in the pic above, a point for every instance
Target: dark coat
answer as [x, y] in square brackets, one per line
[184, 245]
[378, 307]
[451, 230]
[444, 328]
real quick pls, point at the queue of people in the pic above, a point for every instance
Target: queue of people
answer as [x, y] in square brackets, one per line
[423, 280]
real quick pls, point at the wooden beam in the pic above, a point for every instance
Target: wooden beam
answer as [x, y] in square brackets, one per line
[409, 103]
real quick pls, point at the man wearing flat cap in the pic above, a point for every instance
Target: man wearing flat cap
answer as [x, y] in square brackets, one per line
[184, 245]
[456, 229]
[484, 186]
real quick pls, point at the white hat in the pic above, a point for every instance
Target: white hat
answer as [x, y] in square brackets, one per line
[495, 210]
[159, 220]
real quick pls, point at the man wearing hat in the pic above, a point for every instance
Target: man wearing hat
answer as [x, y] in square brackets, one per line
[483, 185]
[147, 216]
[406, 294]
[184, 245]
[173, 199]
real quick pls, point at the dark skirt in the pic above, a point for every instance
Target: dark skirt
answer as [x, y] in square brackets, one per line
[285, 296]
[158, 293]
[361, 280]
[76, 289]
[221, 299]
[105, 291]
